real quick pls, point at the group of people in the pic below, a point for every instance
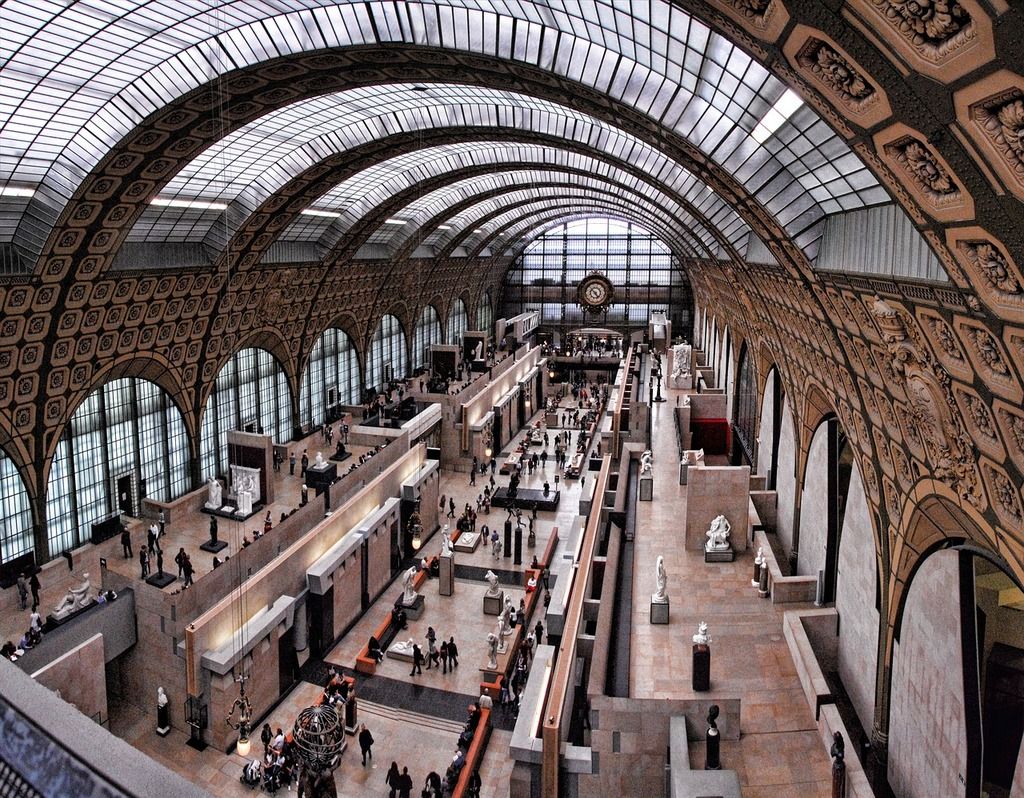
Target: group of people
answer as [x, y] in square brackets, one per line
[445, 656]
[279, 765]
[34, 634]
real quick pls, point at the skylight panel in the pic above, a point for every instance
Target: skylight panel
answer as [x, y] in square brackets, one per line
[783, 109]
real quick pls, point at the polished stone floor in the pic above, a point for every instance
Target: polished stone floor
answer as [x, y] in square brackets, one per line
[780, 753]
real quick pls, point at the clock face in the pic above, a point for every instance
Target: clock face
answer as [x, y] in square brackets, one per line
[595, 292]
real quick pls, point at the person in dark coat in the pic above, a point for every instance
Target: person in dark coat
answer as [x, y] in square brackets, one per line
[393, 779]
[453, 654]
[126, 542]
[33, 585]
[365, 742]
[405, 784]
[417, 660]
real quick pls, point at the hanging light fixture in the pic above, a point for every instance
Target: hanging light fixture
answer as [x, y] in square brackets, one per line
[244, 709]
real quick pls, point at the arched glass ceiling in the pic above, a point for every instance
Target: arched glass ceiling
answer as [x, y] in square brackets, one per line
[406, 170]
[254, 162]
[78, 76]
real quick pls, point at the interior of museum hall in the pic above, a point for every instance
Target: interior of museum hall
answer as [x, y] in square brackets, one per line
[512, 398]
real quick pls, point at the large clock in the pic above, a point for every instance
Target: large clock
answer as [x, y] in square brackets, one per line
[595, 293]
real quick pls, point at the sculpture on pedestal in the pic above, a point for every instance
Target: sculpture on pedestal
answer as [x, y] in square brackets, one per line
[319, 461]
[214, 494]
[409, 594]
[702, 638]
[163, 725]
[492, 584]
[661, 583]
[492, 650]
[758, 565]
[505, 619]
[718, 534]
[446, 542]
[646, 462]
[75, 599]
[244, 503]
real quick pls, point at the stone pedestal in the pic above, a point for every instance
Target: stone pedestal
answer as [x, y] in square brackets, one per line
[646, 488]
[163, 723]
[659, 611]
[712, 758]
[493, 604]
[446, 575]
[762, 588]
[213, 546]
[351, 715]
[756, 581]
[161, 580]
[701, 668]
[518, 559]
[507, 550]
[415, 609]
[719, 555]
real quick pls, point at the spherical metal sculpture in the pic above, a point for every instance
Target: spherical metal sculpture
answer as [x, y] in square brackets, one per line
[319, 733]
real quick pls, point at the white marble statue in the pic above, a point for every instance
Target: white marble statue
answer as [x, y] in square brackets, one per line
[446, 542]
[694, 456]
[161, 697]
[403, 648]
[492, 650]
[492, 584]
[646, 462]
[759, 559]
[478, 352]
[702, 638]
[75, 599]
[718, 534]
[318, 462]
[409, 595]
[214, 497]
[660, 595]
[244, 503]
[505, 619]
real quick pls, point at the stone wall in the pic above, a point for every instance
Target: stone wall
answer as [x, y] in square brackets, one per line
[813, 538]
[80, 678]
[855, 602]
[927, 734]
[786, 480]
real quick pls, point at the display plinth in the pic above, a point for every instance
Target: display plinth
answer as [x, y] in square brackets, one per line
[646, 488]
[322, 477]
[701, 668]
[351, 715]
[719, 555]
[493, 604]
[659, 611]
[467, 542]
[712, 758]
[446, 575]
[161, 580]
[163, 723]
[213, 546]
[414, 610]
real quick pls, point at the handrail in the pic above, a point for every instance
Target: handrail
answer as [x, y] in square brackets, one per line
[561, 678]
[619, 401]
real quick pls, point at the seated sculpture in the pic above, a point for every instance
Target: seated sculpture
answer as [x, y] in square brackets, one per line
[319, 461]
[75, 599]
[718, 534]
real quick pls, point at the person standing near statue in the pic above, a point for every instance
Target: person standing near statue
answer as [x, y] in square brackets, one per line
[162, 519]
[304, 463]
[144, 561]
[33, 585]
[126, 542]
[291, 464]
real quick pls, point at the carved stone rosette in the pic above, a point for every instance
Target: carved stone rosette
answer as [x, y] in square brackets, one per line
[932, 405]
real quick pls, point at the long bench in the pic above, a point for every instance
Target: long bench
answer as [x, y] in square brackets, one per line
[385, 631]
[475, 754]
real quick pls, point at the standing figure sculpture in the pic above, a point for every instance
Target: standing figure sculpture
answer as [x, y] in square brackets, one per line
[492, 650]
[409, 594]
[492, 584]
[505, 619]
[214, 494]
[660, 595]
[718, 534]
[446, 541]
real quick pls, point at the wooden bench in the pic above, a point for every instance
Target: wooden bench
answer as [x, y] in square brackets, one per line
[475, 753]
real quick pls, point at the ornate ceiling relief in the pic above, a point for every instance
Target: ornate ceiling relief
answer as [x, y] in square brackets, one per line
[1011, 422]
[999, 124]
[990, 359]
[1005, 496]
[980, 421]
[931, 405]
[764, 18]
[927, 177]
[995, 276]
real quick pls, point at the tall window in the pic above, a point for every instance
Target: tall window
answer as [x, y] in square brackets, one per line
[746, 405]
[386, 359]
[458, 321]
[16, 517]
[485, 313]
[333, 371]
[127, 429]
[250, 393]
[644, 272]
[428, 331]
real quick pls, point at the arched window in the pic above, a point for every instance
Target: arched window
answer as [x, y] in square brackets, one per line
[428, 331]
[745, 423]
[332, 377]
[485, 313]
[386, 359]
[250, 393]
[16, 518]
[126, 441]
[458, 321]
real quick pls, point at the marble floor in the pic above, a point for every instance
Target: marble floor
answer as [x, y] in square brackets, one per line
[779, 752]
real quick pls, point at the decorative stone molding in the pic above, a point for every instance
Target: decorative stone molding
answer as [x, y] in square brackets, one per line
[943, 38]
[1011, 422]
[931, 404]
[1004, 495]
[945, 344]
[927, 176]
[765, 19]
[993, 273]
[980, 421]
[989, 358]
[995, 107]
[832, 71]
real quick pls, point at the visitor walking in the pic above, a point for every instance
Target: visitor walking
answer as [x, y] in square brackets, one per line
[144, 561]
[417, 660]
[291, 464]
[393, 779]
[444, 656]
[432, 656]
[189, 570]
[33, 585]
[304, 463]
[405, 784]
[22, 592]
[365, 742]
[453, 654]
[126, 542]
